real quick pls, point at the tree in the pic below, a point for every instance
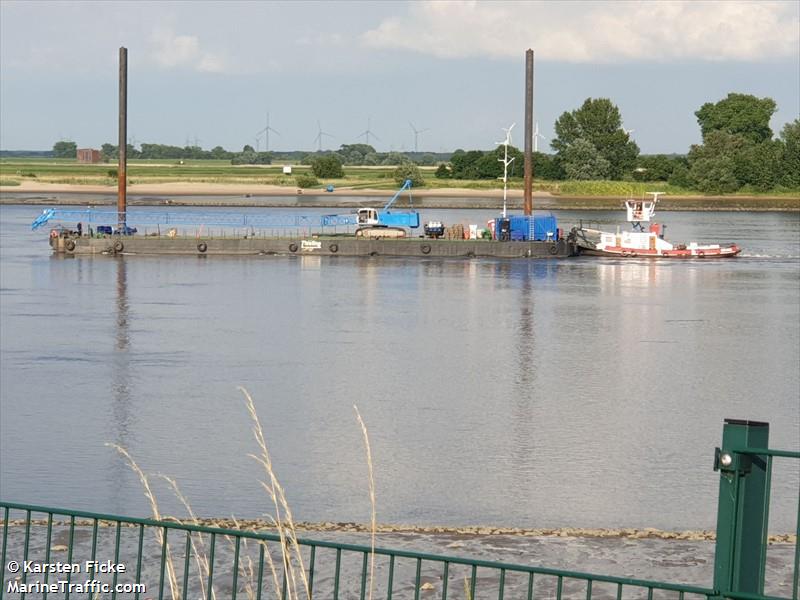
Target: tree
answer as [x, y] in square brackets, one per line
[426, 159]
[306, 180]
[65, 149]
[108, 151]
[327, 166]
[714, 175]
[443, 172]
[219, 152]
[545, 166]
[582, 160]
[393, 158]
[680, 177]
[490, 165]
[599, 123]
[790, 155]
[354, 154]
[712, 164]
[738, 114]
[465, 164]
[371, 159]
[408, 170]
[247, 156]
[758, 165]
[657, 167]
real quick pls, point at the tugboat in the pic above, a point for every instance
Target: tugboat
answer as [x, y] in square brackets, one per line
[643, 242]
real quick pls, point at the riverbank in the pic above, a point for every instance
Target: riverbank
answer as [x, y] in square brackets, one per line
[687, 561]
[265, 526]
[274, 196]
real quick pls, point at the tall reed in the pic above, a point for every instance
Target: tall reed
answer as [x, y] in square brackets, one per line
[294, 571]
[151, 498]
[373, 516]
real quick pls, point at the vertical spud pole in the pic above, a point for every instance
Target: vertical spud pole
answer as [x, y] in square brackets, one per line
[122, 176]
[528, 198]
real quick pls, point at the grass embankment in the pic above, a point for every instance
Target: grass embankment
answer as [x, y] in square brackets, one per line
[14, 171]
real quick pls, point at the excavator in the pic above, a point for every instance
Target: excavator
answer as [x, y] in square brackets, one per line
[377, 224]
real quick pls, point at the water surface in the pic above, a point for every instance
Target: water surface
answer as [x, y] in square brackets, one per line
[585, 392]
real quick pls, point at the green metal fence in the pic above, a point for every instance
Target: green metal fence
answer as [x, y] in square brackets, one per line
[183, 561]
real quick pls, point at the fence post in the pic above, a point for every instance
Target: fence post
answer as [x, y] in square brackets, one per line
[742, 513]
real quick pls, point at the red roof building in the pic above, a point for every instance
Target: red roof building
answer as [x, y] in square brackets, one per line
[88, 155]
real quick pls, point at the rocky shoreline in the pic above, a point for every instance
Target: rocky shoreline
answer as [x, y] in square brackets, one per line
[352, 527]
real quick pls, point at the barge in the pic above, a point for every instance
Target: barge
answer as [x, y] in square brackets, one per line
[68, 243]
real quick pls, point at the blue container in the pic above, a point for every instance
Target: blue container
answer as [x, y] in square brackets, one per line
[534, 228]
[329, 188]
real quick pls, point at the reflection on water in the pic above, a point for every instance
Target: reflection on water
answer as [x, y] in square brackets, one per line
[532, 393]
[121, 376]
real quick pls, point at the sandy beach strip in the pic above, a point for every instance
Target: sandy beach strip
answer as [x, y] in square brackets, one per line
[261, 195]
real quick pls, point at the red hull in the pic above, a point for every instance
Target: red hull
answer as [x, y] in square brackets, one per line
[722, 252]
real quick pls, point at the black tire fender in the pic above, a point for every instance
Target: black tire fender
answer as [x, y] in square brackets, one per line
[119, 246]
[334, 248]
[70, 245]
[292, 247]
[202, 247]
[425, 248]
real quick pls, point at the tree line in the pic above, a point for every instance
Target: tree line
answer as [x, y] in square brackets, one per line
[739, 151]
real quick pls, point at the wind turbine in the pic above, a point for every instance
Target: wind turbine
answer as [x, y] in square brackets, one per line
[505, 160]
[368, 133]
[536, 136]
[416, 134]
[266, 131]
[320, 134]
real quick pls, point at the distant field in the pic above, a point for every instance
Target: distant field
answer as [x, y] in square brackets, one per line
[153, 171]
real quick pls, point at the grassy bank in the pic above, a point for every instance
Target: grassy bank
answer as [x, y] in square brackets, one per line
[142, 172]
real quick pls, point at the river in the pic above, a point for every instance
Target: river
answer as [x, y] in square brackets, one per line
[555, 393]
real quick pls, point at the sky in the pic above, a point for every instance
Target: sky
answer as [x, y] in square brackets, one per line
[210, 72]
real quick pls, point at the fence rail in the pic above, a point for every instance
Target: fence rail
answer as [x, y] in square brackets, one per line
[182, 561]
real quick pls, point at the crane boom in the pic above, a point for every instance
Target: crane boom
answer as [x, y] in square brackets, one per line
[406, 186]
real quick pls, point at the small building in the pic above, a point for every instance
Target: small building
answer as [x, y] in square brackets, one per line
[88, 155]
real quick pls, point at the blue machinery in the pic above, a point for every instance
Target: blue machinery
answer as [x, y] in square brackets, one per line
[229, 219]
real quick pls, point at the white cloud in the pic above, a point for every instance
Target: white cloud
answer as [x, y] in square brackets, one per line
[169, 50]
[596, 32]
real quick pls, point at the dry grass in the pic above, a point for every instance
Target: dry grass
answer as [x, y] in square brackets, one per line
[284, 523]
[373, 523]
[151, 498]
[293, 566]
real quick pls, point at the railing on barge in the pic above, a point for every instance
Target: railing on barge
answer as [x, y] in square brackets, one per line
[211, 563]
